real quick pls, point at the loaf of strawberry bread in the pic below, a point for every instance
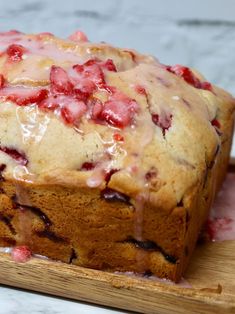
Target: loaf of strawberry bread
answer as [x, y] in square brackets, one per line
[108, 158]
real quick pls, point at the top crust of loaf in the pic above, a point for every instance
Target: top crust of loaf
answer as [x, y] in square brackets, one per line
[169, 131]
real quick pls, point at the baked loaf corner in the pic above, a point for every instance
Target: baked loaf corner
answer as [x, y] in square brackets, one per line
[108, 158]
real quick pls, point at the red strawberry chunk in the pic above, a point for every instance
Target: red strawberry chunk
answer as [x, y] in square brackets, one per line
[84, 89]
[118, 137]
[185, 73]
[215, 123]
[19, 157]
[89, 76]
[110, 89]
[97, 109]
[140, 90]
[60, 81]
[206, 86]
[72, 111]
[109, 65]
[15, 52]
[117, 113]
[2, 80]
[163, 121]
[87, 166]
[51, 103]
[23, 96]
[188, 76]
[90, 70]
[91, 62]
[21, 254]
[78, 36]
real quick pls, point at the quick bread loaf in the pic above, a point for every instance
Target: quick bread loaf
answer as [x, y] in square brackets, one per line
[108, 158]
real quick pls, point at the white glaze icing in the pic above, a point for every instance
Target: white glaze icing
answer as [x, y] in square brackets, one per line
[183, 283]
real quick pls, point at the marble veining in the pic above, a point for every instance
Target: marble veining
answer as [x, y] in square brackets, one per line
[14, 301]
[200, 36]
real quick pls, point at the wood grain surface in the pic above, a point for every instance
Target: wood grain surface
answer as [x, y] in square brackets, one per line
[210, 274]
[210, 277]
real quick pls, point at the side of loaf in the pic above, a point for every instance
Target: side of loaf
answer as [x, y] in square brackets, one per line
[108, 158]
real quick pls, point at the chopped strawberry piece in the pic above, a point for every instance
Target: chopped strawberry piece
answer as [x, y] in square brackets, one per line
[215, 123]
[163, 121]
[185, 73]
[91, 62]
[51, 103]
[87, 166]
[89, 76]
[109, 65]
[21, 254]
[40, 95]
[188, 76]
[60, 81]
[110, 89]
[2, 80]
[78, 36]
[117, 113]
[118, 137]
[19, 157]
[140, 90]
[92, 71]
[70, 109]
[83, 89]
[73, 110]
[23, 96]
[15, 52]
[206, 86]
[82, 95]
[79, 68]
[97, 109]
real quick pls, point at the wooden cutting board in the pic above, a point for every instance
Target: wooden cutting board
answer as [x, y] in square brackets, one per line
[210, 275]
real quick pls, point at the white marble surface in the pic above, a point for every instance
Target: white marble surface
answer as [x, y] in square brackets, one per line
[195, 33]
[233, 149]
[14, 301]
